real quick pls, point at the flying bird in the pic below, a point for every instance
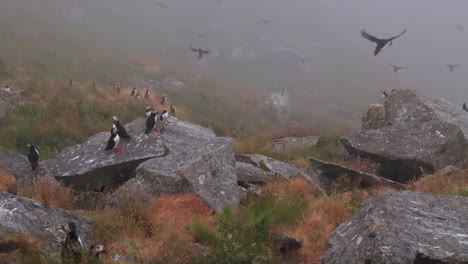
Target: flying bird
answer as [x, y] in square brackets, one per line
[162, 5]
[200, 52]
[303, 60]
[464, 107]
[452, 66]
[460, 28]
[381, 43]
[263, 21]
[396, 68]
[33, 156]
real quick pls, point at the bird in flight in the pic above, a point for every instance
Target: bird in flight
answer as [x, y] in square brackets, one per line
[452, 66]
[200, 52]
[396, 68]
[381, 43]
[460, 28]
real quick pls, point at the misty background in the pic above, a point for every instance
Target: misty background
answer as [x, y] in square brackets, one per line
[104, 39]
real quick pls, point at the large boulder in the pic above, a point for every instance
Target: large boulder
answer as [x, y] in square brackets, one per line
[34, 219]
[18, 166]
[406, 151]
[290, 143]
[330, 172]
[89, 167]
[197, 162]
[403, 106]
[374, 118]
[405, 228]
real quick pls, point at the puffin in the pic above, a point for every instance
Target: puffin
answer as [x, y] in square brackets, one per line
[151, 121]
[200, 52]
[72, 82]
[464, 107]
[97, 250]
[304, 60]
[113, 141]
[134, 92]
[147, 94]
[164, 117]
[384, 93]
[71, 249]
[121, 131]
[381, 43]
[172, 110]
[33, 156]
[148, 111]
[163, 99]
[118, 88]
[452, 66]
[396, 68]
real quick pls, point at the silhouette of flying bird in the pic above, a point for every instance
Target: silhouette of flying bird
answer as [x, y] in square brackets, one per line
[460, 28]
[452, 66]
[303, 60]
[200, 52]
[464, 107]
[162, 5]
[396, 68]
[381, 43]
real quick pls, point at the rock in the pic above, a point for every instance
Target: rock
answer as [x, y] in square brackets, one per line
[275, 107]
[403, 106]
[273, 167]
[406, 151]
[329, 172]
[374, 118]
[197, 162]
[295, 142]
[173, 84]
[405, 228]
[89, 167]
[3, 109]
[22, 215]
[18, 166]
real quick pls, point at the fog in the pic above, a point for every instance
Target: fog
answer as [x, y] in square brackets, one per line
[340, 75]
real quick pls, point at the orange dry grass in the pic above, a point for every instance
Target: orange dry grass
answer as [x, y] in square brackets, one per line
[51, 192]
[296, 187]
[166, 218]
[7, 182]
[453, 184]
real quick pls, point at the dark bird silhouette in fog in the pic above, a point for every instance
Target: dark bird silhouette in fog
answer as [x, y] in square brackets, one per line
[460, 28]
[264, 21]
[452, 67]
[396, 68]
[381, 43]
[304, 60]
[464, 107]
[162, 5]
[200, 52]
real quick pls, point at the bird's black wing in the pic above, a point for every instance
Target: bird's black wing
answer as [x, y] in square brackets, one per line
[193, 49]
[392, 38]
[369, 36]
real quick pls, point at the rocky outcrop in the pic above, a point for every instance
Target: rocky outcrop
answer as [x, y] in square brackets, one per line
[329, 172]
[406, 151]
[18, 166]
[22, 215]
[89, 167]
[275, 107]
[405, 228]
[374, 118]
[290, 143]
[408, 106]
[197, 162]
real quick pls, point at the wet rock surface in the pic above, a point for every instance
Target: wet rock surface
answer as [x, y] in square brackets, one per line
[403, 227]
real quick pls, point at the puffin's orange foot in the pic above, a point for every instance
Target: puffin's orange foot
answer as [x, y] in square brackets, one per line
[118, 149]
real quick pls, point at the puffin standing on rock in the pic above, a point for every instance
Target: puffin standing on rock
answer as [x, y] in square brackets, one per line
[164, 117]
[120, 129]
[33, 156]
[381, 43]
[71, 249]
[113, 141]
[151, 121]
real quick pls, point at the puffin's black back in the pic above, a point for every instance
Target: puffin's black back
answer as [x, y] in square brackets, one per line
[33, 157]
[150, 122]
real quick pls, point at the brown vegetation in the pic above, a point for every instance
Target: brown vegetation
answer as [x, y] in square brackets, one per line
[7, 182]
